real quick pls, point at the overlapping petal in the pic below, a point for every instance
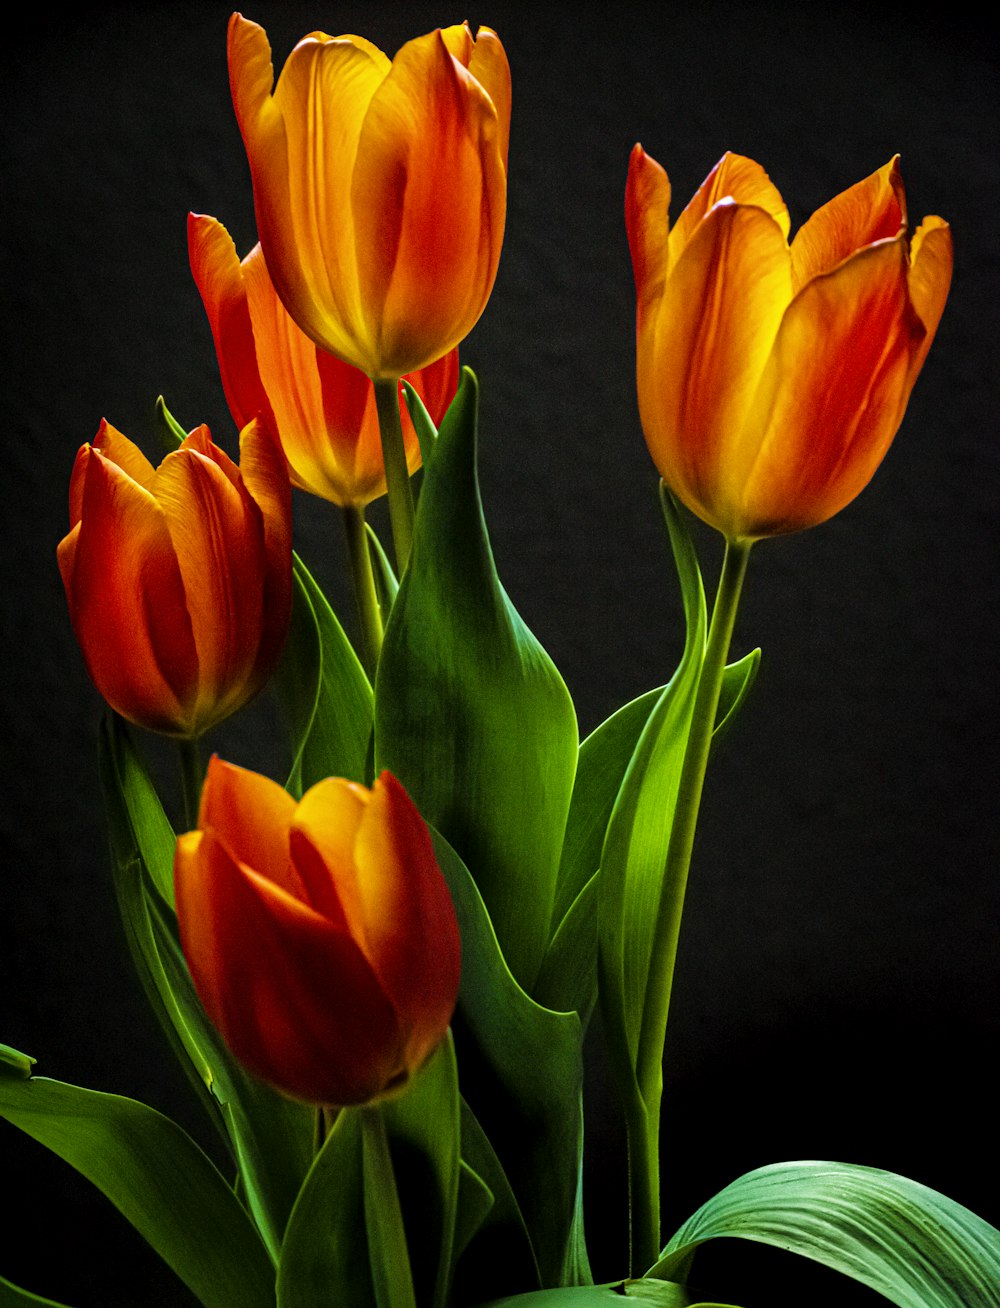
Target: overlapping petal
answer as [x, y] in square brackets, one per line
[380, 188]
[772, 380]
[320, 936]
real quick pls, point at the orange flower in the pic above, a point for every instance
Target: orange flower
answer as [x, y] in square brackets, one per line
[320, 935]
[771, 378]
[322, 410]
[179, 578]
[380, 186]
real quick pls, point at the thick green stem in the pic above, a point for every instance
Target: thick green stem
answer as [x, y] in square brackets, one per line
[397, 474]
[392, 1278]
[643, 1119]
[192, 776]
[369, 614]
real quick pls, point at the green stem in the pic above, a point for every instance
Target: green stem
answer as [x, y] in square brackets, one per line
[392, 1278]
[192, 776]
[643, 1118]
[369, 614]
[397, 474]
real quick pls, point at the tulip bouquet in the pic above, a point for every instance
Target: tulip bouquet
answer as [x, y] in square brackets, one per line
[378, 969]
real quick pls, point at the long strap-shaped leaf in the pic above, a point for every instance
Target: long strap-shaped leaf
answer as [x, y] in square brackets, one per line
[12, 1297]
[908, 1242]
[663, 1294]
[156, 1175]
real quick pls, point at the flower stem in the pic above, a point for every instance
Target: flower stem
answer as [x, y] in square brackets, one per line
[369, 614]
[397, 474]
[392, 1278]
[643, 1115]
[192, 776]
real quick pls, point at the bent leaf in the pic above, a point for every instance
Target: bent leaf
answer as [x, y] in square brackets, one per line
[904, 1240]
[470, 712]
[662, 1293]
[11, 1296]
[156, 1176]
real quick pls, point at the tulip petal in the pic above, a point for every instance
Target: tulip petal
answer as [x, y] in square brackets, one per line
[428, 201]
[323, 835]
[404, 898]
[218, 275]
[127, 600]
[491, 70]
[735, 178]
[266, 968]
[871, 210]
[931, 258]
[252, 816]
[218, 538]
[701, 355]
[647, 208]
[832, 394]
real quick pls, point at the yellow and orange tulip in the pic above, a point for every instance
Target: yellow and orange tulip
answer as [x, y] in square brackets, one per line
[320, 935]
[179, 578]
[773, 377]
[321, 409]
[380, 187]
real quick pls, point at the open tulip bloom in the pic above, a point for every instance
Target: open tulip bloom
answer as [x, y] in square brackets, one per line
[378, 969]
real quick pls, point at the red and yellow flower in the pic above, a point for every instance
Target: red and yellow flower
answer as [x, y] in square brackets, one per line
[321, 409]
[380, 187]
[320, 935]
[773, 377]
[179, 578]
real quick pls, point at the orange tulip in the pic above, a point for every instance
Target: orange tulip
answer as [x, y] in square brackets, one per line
[321, 409]
[380, 186]
[179, 578]
[320, 935]
[772, 378]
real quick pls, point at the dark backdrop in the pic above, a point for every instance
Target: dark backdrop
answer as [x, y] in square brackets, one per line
[836, 991]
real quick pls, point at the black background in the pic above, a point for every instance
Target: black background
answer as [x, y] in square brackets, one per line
[837, 980]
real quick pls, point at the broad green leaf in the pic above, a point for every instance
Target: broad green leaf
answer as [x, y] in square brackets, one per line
[663, 1293]
[392, 1277]
[270, 1136]
[632, 883]
[568, 979]
[158, 1178]
[470, 713]
[522, 1074]
[909, 1243]
[15, 1064]
[324, 1257]
[423, 1128]
[325, 691]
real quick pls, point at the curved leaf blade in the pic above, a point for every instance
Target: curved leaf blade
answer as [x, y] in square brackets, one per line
[906, 1241]
[11, 1296]
[157, 1177]
[470, 712]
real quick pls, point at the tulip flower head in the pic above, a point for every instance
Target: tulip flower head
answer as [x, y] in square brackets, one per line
[321, 409]
[380, 187]
[772, 378]
[320, 935]
[179, 578]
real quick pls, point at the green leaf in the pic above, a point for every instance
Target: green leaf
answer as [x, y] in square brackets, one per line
[386, 585]
[158, 1178]
[663, 1293]
[15, 1064]
[632, 883]
[475, 1203]
[424, 1133]
[522, 1074]
[325, 692]
[324, 1257]
[909, 1243]
[13, 1297]
[423, 423]
[392, 1276]
[270, 1136]
[737, 681]
[568, 979]
[168, 429]
[471, 715]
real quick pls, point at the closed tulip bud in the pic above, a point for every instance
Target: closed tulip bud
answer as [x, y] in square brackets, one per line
[320, 935]
[321, 409]
[773, 378]
[380, 186]
[179, 578]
